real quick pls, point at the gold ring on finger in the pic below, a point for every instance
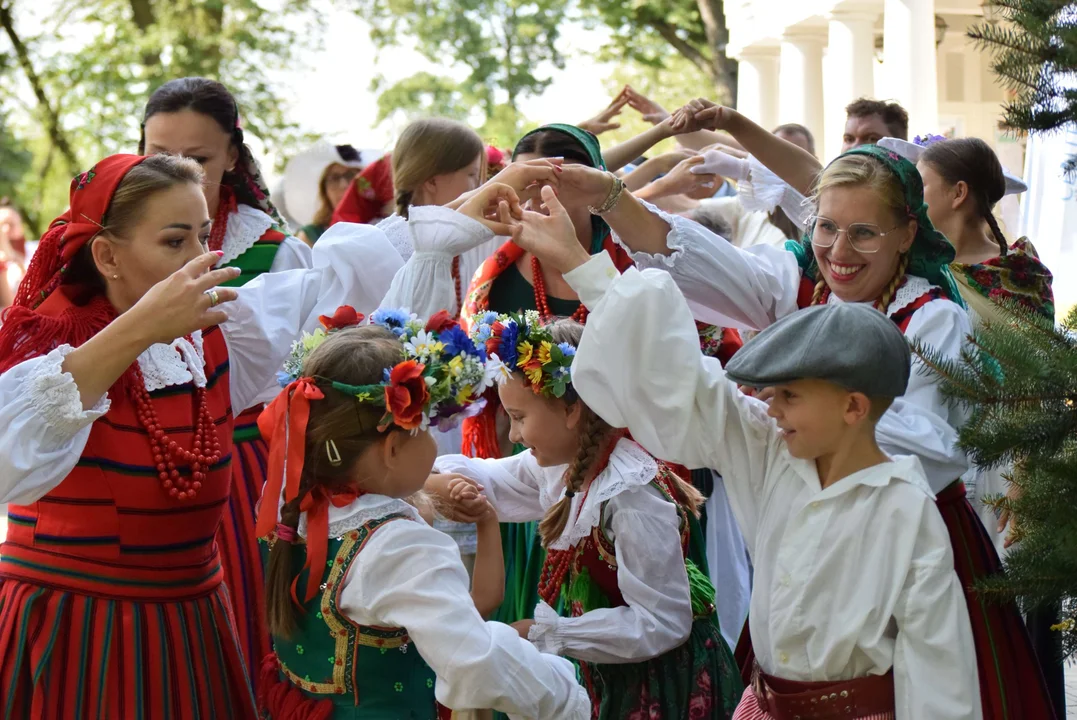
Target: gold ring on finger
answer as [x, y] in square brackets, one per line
[214, 298]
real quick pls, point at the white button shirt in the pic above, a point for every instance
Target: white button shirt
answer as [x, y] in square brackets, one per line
[850, 580]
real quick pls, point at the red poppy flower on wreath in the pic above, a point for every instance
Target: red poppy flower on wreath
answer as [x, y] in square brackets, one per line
[406, 394]
[441, 320]
[344, 317]
[493, 343]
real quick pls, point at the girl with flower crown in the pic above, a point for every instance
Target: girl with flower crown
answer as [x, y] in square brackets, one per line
[369, 606]
[869, 240]
[118, 379]
[620, 532]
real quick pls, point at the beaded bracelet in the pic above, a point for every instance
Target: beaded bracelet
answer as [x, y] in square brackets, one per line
[611, 199]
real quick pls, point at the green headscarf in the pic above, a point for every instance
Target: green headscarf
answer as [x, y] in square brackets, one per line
[599, 229]
[931, 253]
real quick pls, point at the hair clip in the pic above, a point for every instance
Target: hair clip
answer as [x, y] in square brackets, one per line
[332, 453]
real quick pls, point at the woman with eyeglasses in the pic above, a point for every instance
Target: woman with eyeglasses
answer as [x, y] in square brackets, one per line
[336, 177]
[869, 241]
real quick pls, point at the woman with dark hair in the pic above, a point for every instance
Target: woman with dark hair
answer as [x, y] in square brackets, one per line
[199, 118]
[119, 374]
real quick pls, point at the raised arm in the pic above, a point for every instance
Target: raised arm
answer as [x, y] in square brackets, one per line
[513, 485]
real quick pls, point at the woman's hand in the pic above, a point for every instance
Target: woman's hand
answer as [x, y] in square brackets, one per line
[551, 238]
[182, 302]
[604, 120]
[651, 111]
[527, 178]
[483, 205]
[683, 181]
[523, 627]
[702, 114]
[587, 186]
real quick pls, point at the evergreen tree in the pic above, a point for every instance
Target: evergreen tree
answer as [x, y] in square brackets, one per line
[1018, 377]
[1035, 47]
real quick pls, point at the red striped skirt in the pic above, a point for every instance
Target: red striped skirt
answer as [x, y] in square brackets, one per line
[69, 655]
[749, 709]
[241, 559]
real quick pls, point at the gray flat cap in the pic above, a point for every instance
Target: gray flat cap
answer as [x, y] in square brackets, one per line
[854, 346]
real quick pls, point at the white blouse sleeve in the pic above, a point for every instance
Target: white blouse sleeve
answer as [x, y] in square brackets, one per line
[743, 288]
[425, 284]
[351, 265]
[293, 254]
[410, 575]
[396, 230]
[922, 423]
[651, 576]
[45, 426]
[639, 366]
[764, 191]
[935, 674]
[513, 485]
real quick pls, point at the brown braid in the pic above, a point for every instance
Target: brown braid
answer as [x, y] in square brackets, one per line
[281, 613]
[403, 202]
[1003, 246]
[895, 283]
[593, 431]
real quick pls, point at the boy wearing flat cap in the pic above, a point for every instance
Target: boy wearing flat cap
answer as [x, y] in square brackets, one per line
[856, 610]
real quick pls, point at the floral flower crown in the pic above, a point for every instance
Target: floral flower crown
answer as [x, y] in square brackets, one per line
[521, 342]
[438, 382]
[928, 140]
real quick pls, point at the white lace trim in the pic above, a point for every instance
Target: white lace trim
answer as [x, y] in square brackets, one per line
[360, 512]
[630, 466]
[245, 226]
[176, 364]
[56, 396]
[913, 289]
[543, 634]
[398, 234]
[674, 241]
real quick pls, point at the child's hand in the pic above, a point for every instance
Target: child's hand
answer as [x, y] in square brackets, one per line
[523, 627]
[466, 501]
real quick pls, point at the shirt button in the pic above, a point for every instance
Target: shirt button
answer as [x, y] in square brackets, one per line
[784, 658]
[785, 580]
[815, 506]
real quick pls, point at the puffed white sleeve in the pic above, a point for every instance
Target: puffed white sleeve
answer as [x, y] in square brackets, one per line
[763, 190]
[513, 485]
[352, 264]
[935, 674]
[639, 366]
[651, 576]
[293, 254]
[410, 575]
[45, 426]
[921, 422]
[425, 284]
[742, 288]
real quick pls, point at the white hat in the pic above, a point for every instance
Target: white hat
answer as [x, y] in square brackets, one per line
[304, 171]
[912, 152]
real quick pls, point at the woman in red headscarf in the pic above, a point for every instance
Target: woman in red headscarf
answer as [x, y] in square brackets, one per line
[118, 377]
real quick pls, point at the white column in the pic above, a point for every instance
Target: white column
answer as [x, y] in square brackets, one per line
[850, 71]
[801, 79]
[909, 57]
[757, 85]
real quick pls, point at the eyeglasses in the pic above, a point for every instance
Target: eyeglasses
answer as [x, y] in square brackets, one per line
[341, 177]
[865, 238]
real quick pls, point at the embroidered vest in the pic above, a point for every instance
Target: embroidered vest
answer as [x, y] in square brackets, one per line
[900, 317]
[367, 672]
[256, 259]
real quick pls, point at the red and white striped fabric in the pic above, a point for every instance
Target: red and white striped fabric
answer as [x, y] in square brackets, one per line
[748, 709]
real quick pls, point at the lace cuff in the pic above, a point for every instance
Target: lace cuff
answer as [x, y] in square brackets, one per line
[764, 191]
[439, 230]
[543, 634]
[56, 396]
[674, 241]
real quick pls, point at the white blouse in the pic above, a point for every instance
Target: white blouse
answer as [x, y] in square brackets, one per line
[750, 288]
[850, 580]
[45, 426]
[437, 234]
[410, 575]
[246, 225]
[645, 529]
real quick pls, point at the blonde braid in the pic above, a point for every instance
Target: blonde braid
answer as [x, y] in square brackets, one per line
[820, 289]
[895, 283]
[593, 430]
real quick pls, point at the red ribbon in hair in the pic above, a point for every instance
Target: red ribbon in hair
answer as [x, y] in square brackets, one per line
[284, 426]
[316, 505]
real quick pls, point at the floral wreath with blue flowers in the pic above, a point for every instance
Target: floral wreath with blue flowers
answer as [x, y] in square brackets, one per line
[521, 342]
[438, 382]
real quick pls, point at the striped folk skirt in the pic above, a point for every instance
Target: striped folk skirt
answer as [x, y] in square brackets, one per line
[241, 558]
[749, 709]
[66, 655]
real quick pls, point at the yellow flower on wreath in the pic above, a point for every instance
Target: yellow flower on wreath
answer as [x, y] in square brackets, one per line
[523, 353]
[544, 352]
[533, 371]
